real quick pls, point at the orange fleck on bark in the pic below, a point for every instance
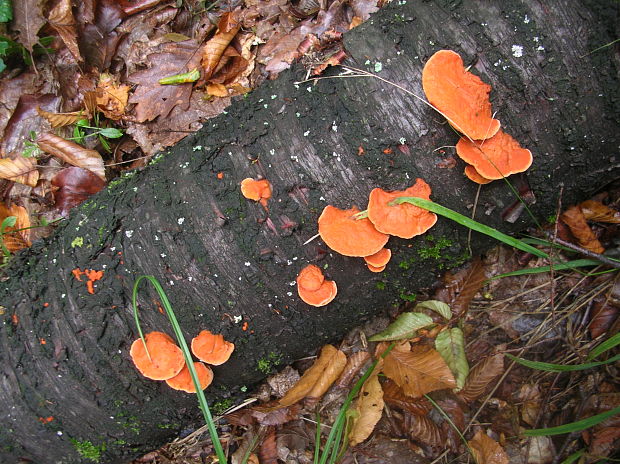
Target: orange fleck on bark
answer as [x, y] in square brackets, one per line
[77, 273]
[42, 341]
[360, 151]
[15, 319]
[93, 275]
[45, 305]
[46, 420]
[90, 287]
[220, 175]
[245, 326]
[388, 151]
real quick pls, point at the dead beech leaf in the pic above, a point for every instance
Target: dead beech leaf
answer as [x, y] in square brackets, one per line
[417, 371]
[598, 212]
[72, 153]
[481, 376]
[486, 450]
[575, 220]
[15, 239]
[20, 169]
[266, 415]
[268, 451]
[353, 366]
[111, 97]
[368, 408]
[530, 398]
[423, 430]
[318, 378]
[61, 18]
[75, 185]
[604, 314]
[28, 19]
[213, 50]
[61, 119]
[395, 397]
[460, 288]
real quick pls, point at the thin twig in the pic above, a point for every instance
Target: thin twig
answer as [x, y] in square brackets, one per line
[582, 251]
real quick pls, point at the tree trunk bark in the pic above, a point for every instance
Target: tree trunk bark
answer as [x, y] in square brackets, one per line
[229, 265]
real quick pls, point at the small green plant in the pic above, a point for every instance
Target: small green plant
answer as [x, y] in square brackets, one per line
[6, 223]
[267, 363]
[16, 52]
[87, 450]
[82, 130]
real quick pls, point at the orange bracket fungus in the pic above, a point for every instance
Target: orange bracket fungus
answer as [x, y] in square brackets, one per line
[212, 348]
[459, 95]
[497, 157]
[183, 380]
[257, 190]
[475, 176]
[312, 287]
[378, 261]
[347, 235]
[403, 220]
[166, 358]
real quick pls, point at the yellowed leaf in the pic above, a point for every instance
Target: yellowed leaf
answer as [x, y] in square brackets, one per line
[486, 450]
[111, 97]
[575, 220]
[318, 378]
[418, 371]
[217, 90]
[598, 212]
[368, 408]
[72, 153]
[17, 237]
[20, 169]
[61, 119]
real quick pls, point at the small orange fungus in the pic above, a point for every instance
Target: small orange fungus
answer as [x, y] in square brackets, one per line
[312, 287]
[212, 348]
[497, 157]
[347, 235]
[257, 190]
[166, 358]
[77, 273]
[474, 176]
[372, 268]
[310, 278]
[459, 95]
[380, 258]
[220, 175]
[404, 220]
[183, 380]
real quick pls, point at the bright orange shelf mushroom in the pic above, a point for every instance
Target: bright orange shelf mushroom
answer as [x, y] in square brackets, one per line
[343, 233]
[372, 268]
[459, 95]
[475, 176]
[212, 348]
[321, 297]
[497, 157]
[404, 220]
[166, 359]
[310, 278]
[183, 380]
[257, 190]
[380, 258]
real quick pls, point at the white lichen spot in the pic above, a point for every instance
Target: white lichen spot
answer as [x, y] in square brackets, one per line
[295, 258]
[63, 295]
[128, 233]
[296, 86]
[113, 248]
[526, 19]
[214, 275]
[292, 283]
[289, 293]
[265, 106]
[307, 133]
[517, 51]
[181, 220]
[273, 97]
[272, 152]
[402, 140]
[135, 189]
[237, 319]
[265, 123]
[294, 157]
[184, 165]
[171, 282]
[334, 126]
[378, 67]
[322, 198]
[239, 279]
[197, 148]
[54, 261]
[59, 433]
[261, 100]
[309, 89]
[190, 278]
[163, 255]
[289, 262]
[298, 114]
[247, 264]
[156, 238]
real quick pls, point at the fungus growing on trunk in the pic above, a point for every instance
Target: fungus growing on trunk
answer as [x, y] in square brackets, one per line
[459, 95]
[475, 176]
[372, 268]
[312, 287]
[347, 235]
[497, 157]
[166, 358]
[212, 348]
[379, 259]
[183, 380]
[257, 190]
[403, 220]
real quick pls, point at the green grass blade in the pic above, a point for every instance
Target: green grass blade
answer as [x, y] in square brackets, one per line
[550, 367]
[317, 438]
[573, 457]
[202, 401]
[556, 267]
[471, 224]
[573, 426]
[608, 344]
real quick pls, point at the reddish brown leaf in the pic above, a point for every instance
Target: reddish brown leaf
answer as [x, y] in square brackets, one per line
[605, 441]
[395, 397]
[15, 239]
[268, 452]
[215, 47]
[598, 212]
[98, 39]
[481, 376]
[61, 119]
[72, 153]
[20, 169]
[460, 288]
[28, 19]
[135, 6]
[265, 415]
[418, 371]
[423, 430]
[576, 221]
[604, 314]
[61, 18]
[25, 119]
[75, 185]
[486, 450]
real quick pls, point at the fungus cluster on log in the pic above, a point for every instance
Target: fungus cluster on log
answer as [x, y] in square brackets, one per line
[463, 99]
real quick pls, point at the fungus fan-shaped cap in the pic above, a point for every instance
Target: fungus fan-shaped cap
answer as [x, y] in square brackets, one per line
[320, 297]
[379, 259]
[183, 380]
[212, 348]
[494, 158]
[256, 189]
[475, 176]
[372, 268]
[345, 234]
[310, 278]
[404, 220]
[166, 358]
[459, 95]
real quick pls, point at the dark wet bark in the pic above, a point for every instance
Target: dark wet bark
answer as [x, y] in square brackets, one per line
[221, 257]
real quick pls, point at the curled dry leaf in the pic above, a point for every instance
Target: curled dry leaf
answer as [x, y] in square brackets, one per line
[368, 408]
[74, 186]
[13, 238]
[598, 212]
[111, 97]
[72, 153]
[459, 289]
[481, 376]
[423, 430]
[20, 169]
[61, 18]
[486, 450]
[352, 367]
[316, 380]
[213, 50]
[573, 217]
[60, 119]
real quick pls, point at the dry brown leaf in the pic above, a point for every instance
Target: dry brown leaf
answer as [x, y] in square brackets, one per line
[423, 430]
[529, 396]
[74, 186]
[481, 376]
[576, 221]
[266, 415]
[217, 90]
[353, 366]
[418, 371]
[13, 238]
[213, 50]
[72, 153]
[395, 397]
[28, 19]
[318, 378]
[604, 311]
[460, 288]
[111, 97]
[486, 450]
[605, 441]
[20, 169]
[368, 408]
[268, 451]
[61, 119]
[61, 18]
[598, 212]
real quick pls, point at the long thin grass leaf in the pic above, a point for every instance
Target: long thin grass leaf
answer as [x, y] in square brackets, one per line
[573, 457]
[556, 267]
[573, 426]
[608, 344]
[550, 367]
[471, 224]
